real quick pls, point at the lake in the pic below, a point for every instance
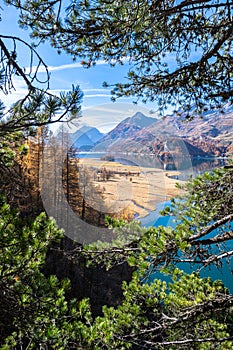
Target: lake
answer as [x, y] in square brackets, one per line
[224, 273]
[186, 167]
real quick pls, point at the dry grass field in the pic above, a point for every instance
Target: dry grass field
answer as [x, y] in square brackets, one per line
[131, 188]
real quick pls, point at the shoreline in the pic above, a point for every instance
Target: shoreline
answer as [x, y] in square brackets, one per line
[130, 188]
[148, 155]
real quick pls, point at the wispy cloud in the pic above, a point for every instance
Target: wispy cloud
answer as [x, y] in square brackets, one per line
[96, 90]
[106, 116]
[42, 69]
[116, 108]
[96, 95]
[19, 91]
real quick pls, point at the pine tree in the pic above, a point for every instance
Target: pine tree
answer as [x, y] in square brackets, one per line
[180, 52]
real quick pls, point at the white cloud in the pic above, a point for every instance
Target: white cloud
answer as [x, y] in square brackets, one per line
[42, 69]
[19, 91]
[96, 95]
[106, 116]
[95, 90]
[102, 116]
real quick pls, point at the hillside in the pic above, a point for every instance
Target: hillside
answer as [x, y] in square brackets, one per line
[127, 129]
[208, 135]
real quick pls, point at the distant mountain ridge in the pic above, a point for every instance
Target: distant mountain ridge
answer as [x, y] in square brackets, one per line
[209, 135]
[139, 120]
[125, 129]
[85, 137]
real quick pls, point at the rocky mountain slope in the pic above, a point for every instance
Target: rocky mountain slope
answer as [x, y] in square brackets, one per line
[124, 131]
[208, 135]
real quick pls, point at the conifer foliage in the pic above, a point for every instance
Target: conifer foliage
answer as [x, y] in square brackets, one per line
[162, 307]
[180, 52]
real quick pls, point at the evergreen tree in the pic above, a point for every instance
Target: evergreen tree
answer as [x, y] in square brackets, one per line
[165, 307]
[180, 51]
[188, 312]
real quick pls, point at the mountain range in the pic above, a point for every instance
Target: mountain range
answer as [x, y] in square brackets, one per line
[85, 137]
[123, 131]
[208, 135]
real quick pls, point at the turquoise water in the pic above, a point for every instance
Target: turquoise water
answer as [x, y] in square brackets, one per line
[155, 219]
[96, 155]
[225, 273]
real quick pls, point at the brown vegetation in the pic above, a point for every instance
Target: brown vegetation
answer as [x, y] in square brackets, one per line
[131, 188]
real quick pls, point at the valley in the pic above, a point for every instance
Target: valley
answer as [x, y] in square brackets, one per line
[172, 136]
[149, 156]
[133, 189]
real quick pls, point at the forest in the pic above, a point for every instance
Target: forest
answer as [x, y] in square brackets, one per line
[130, 289]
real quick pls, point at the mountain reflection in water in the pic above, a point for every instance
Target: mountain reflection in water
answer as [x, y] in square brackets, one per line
[186, 165]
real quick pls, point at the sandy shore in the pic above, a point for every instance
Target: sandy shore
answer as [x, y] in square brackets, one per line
[131, 188]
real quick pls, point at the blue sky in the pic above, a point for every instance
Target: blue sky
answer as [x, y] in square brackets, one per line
[97, 108]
